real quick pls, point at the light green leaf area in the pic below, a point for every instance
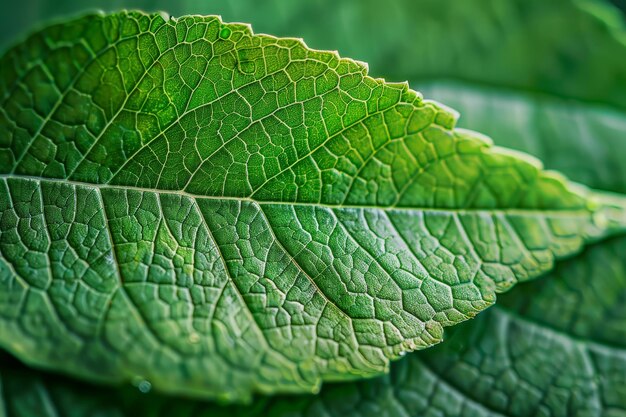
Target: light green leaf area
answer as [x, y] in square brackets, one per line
[219, 213]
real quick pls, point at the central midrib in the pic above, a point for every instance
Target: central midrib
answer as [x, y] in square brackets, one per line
[508, 211]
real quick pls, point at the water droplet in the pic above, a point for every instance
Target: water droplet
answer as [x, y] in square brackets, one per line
[225, 33]
[402, 353]
[143, 385]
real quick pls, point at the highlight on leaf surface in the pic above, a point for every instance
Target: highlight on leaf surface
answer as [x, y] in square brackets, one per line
[222, 213]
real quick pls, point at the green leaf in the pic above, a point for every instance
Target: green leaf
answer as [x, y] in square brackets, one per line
[548, 348]
[219, 213]
[556, 345]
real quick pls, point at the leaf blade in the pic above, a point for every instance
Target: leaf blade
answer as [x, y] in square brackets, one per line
[221, 254]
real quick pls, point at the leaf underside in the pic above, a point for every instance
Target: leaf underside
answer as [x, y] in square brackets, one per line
[222, 213]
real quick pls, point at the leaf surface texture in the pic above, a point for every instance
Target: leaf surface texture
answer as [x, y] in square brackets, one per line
[221, 213]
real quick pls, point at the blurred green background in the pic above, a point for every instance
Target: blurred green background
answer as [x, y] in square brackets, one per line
[19, 16]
